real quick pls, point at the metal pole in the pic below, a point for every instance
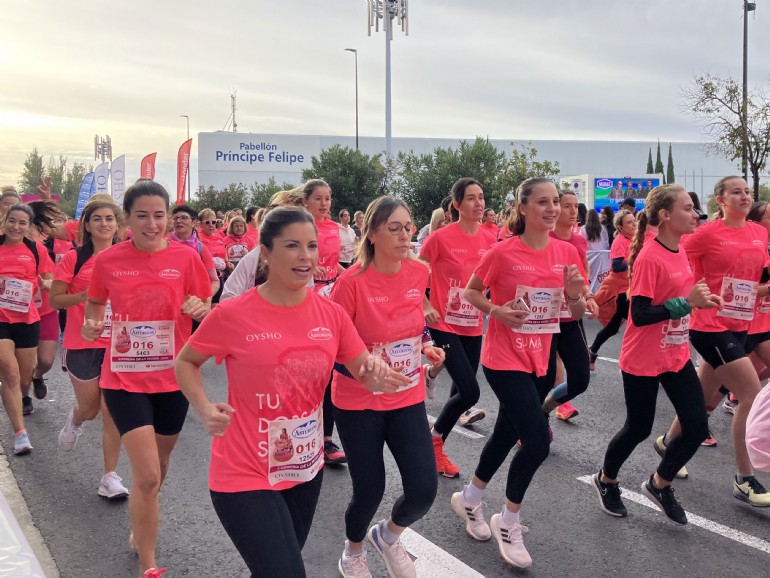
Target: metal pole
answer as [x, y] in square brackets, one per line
[354, 51]
[386, 14]
[744, 107]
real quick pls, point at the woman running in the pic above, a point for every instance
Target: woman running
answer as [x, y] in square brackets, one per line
[731, 254]
[155, 288]
[267, 453]
[453, 252]
[213, 241]
[383, 295]
[615, 285]
[527, 275]
[24, 267]
[656, 350]
[100, 225]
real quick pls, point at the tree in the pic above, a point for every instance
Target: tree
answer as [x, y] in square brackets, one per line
[650, 168]
[522, 165]
[31, 173]
[232, 197]
[71, 187]
[717, 104]
[659, 163]
[261, 193]
[355, 178]
[670, 177]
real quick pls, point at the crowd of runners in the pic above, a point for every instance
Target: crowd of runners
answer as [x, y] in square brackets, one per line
[323, 323]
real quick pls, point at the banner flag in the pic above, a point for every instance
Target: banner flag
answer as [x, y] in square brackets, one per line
[599, 262]
[118, 180]
[84, 194]
[102, 178]
[147, 169]
[182, 168]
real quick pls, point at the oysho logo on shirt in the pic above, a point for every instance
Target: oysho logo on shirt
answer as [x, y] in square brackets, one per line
[125, 273]
[675, 274]
[320, 334]
[267, 336]
[727, 243]
[459, 250]
[378, 299]
[413, 294]
[170, 274]
[522, 268]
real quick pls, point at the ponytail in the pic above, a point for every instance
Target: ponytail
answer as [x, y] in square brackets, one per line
[637, 243]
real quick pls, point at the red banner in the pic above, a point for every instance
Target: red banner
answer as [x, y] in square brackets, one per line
[182, 169]
[147, 168]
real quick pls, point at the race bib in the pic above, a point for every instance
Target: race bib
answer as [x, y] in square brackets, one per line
[237, 252]
[403, 356]
[764, 305]
[296, 448]
[15, 295]
[137, 346]
[677, 331]
[545, 306]
[739, 297]
[106, 329]
[326, 291]
[459, 311]
[219, 263]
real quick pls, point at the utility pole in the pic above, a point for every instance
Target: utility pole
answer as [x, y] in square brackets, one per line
[747, 7]
[102, 148]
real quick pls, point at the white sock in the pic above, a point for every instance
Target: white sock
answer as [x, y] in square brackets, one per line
[472, 494]
[510, 518]
[388, 537]
[349, 552]
[434, 433]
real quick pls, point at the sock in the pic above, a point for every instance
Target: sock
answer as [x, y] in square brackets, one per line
[349, 552]
[388, 537]
[434, 433]
[472, 494]
[741, 478]
[510, 518]
[18, 433]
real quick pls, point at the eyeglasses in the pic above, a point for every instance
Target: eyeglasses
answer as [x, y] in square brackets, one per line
[209, 222]
[395, 229]
[181, 218]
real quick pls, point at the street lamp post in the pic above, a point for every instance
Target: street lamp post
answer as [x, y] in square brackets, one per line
[355, 52]
[187, 118]
[747, 7]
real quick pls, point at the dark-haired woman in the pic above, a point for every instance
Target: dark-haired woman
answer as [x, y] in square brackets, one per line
[24, 267]
[656, 351]
[453, 253]
[99, 225]
[267, 454]
[608, 220]
[155, 289]
[184, 218]
[527, 275]
[594, 233]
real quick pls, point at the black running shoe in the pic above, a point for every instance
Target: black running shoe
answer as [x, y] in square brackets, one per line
[609, 497]
[39, 387]
[26, 406]
[665, 500]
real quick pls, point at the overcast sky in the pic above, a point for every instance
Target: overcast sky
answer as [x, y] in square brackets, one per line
[512, 69]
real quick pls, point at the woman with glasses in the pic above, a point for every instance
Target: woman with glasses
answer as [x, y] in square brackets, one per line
[213, 241]
[184, 219]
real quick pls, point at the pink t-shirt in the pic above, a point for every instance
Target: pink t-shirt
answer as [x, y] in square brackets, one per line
[621, 248]
[453, 255]
[238, 246]
[329, 248]
[730, 259]
[387, 313]
[19, 283]
[72, 230]
[511, 267]
[650, 233]
[292, 350]
[216, 246]
[60, 248]
[650, 350]
[146, 292]
[577, 241]
[77, 284]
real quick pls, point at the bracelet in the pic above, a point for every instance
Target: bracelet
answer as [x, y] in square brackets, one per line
[678, 307]
[571, 300]
[489, 313]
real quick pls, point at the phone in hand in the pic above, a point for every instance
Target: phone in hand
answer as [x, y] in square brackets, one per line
[521, 304]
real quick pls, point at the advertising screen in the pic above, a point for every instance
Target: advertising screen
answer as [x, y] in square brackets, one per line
[612, 191]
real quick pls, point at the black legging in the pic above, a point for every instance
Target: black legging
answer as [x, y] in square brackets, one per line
[269, 528]
[364, 434]
[570, 344]
[684, 390]
[613, 326]
[328, 409]
[462, 362]
[521, 417]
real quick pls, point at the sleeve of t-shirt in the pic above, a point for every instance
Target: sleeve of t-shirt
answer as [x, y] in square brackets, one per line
[344, 294]
[486, 268]
[616, 251]
[46, 264]
[207, 259]
[96, 288]
[197, 281]
[207, 339]
[66, 268]
[350, 344]
[429, 248]
[644, 278]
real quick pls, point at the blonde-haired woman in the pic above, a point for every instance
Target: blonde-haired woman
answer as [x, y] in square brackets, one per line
[213, 241]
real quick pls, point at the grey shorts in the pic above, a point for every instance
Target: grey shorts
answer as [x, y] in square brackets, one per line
[84, 364]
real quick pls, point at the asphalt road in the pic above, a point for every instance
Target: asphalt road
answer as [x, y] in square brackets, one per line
[569, 535]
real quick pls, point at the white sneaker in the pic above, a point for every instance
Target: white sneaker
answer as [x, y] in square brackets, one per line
[510, 542]
[111, 487]
[430, 382]
[69, 434]
[475, 524]
[473, 415]
[396, 558]
[21, 444]
[354, 566]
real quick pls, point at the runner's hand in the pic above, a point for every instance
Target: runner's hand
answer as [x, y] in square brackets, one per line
[435, 355]
[378, 377]
[44, 188]
[593, 308]
[511, 317]
[195, 308]
[91, 329]
[701, 297]
[431, 315]
[573, 281]
[216, 417]
[45, 284]
[319, 272]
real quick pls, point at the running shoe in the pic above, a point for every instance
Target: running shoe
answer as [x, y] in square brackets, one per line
[665, 500]
[510, 542]
[26, 405]
[21, 445]
[444, 465]
[39, 387]
[660, 447]
[153, 573]
[333, 455]
[566, 411]
[729, 406]
[751, 492]
[710, 441]
[472, 415]
[475, 524]
[69, 434]
[609, 496]
[592, 357]
[396, 558]
[111, 487]
[354, 566]
[430, 382]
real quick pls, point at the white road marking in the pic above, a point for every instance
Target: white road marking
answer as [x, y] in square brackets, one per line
[459, 430]
[430, 561]
[608, 359]
[695, 520]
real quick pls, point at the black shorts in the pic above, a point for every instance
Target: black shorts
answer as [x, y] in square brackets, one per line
[23, 335]
[754, 339]
[166, 412]
[718, 348]
[84, 364]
